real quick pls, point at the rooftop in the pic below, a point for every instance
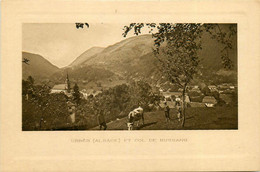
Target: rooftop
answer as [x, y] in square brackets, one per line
[59, 87]
[209, 99]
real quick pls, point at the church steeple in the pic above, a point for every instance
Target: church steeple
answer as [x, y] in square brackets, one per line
[67, 82]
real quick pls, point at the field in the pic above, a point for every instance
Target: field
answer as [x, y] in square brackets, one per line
[196, 119]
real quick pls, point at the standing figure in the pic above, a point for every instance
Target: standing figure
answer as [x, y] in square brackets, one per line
[131, 120]
[101, 120]
[167, 111]
[178, 107]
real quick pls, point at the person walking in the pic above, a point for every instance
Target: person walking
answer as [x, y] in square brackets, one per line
[101, 120]
[167, 111]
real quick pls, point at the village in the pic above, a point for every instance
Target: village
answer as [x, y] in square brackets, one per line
[196, 96]
[202, 96]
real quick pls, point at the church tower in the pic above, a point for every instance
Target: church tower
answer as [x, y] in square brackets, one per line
[67, 83]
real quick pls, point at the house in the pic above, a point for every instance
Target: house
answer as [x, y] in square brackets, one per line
[212, 88]
[232, 87]
[223, 87]
[196, 98]
[89, 92]
[195, 89]
[84, 93]
[228, 91]
[173, 95]
[209, 101]
[180, 89]
[62, 88]
[176, 93]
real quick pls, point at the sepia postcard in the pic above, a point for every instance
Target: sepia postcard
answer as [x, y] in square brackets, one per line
[130, 86]
[117, 81]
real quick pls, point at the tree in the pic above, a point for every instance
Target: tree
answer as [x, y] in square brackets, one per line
[24, 87]
[28, 86]
[44, 111]
[76, 93]
[30, 80]
[177, 46]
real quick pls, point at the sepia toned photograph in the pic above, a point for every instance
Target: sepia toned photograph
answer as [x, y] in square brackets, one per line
[129, 76]
[129, 85]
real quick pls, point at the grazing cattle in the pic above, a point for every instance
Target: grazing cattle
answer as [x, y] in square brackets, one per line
[135, 115]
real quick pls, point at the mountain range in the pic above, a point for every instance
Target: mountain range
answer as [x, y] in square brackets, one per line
[131, 58]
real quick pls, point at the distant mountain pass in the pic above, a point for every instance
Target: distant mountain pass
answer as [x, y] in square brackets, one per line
[134, 58]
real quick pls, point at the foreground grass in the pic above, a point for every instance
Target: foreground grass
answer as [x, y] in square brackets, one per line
[196, 119]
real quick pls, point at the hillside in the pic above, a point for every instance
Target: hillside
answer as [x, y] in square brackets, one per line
[196, 119]
[38, 67]
[210, 54]
[123, 56]
[113, 65]
[86, 56]
[133, 58]
[130, 50]
[88, 77]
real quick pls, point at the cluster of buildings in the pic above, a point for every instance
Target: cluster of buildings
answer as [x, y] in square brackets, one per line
[195, 97]
[66, 89]
[88, 92]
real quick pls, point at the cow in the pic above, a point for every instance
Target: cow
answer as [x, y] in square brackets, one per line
[135, 115]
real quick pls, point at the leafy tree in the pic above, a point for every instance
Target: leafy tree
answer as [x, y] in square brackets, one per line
[30, 80]
[43, 111]
[118, 101]
[177, 46]
[28, 86]
[24, 87]
[76, 93]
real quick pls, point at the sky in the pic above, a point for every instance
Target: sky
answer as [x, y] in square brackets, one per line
[63, 43]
